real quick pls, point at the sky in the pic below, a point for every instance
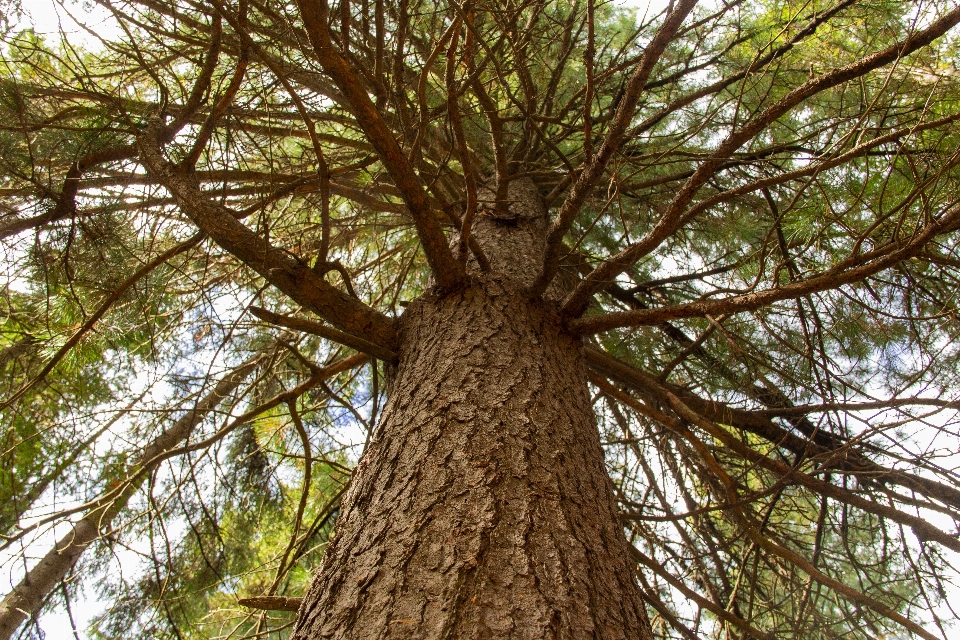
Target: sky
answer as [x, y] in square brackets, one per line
[51, 16]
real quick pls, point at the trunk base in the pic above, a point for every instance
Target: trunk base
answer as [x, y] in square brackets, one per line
[482, 508]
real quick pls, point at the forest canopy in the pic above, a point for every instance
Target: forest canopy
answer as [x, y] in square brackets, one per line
[214, 214]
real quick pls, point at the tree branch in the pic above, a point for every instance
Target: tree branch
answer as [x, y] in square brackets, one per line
[611, 143]
[279, 268]
[317, 329]
[577, 302]
[847, 271]
[446, 269]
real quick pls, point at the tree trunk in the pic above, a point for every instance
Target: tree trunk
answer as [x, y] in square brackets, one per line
[482, 508]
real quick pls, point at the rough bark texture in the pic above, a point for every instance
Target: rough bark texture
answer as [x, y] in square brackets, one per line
[513, 243]
[482, 508]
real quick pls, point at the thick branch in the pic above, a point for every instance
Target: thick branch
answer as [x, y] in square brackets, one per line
[577, 302]
[279, 268]
[447, 271]
[923, 529]
[308, 326]
[611, 143]
[758, 423]
[847, 271]
[27, 597]
[271, 603]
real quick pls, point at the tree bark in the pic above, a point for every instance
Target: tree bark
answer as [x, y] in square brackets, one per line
[482, 507]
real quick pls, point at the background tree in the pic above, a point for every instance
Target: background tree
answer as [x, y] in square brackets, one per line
[236, 231]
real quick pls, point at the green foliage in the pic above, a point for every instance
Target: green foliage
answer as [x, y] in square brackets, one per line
[82, 399]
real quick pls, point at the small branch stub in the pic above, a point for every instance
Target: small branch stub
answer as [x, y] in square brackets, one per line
[272, 603]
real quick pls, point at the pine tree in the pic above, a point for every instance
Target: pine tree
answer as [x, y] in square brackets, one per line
[647, 321]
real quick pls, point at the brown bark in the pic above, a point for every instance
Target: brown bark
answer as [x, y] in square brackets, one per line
[482, 508]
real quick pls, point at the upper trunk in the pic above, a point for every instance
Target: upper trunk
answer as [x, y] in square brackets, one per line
[482, 507]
